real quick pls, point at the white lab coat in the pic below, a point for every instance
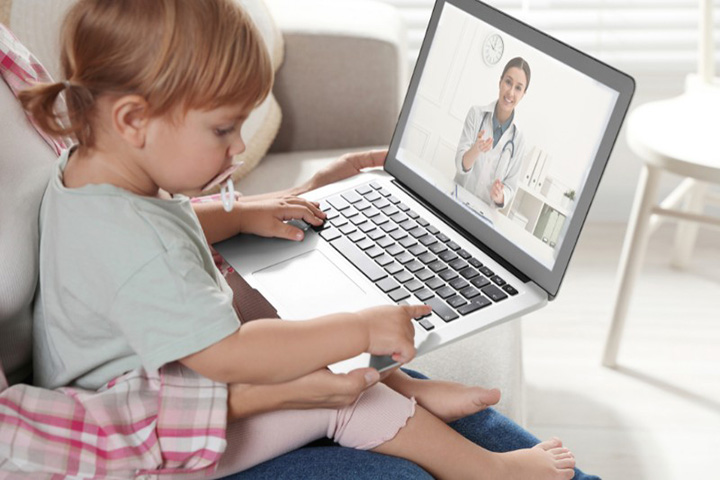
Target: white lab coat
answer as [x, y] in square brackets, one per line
[497, 163]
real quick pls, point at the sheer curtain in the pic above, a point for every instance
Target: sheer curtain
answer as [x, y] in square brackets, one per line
[646, 38]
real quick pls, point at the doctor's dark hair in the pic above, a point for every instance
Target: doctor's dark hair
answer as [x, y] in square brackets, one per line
[518, 62]
[176, 54]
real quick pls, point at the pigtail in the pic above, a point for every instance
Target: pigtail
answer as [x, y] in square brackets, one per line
[57, 116]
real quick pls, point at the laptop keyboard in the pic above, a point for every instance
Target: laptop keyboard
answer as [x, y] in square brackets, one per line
[404, 255]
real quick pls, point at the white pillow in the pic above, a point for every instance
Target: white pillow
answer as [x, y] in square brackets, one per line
[37, 24]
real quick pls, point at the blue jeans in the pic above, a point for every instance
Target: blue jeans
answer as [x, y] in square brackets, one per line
[324, 459]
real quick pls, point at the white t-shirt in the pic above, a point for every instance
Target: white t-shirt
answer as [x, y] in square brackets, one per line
[125, 281]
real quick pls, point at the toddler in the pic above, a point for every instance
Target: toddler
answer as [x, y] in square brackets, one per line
[157, 93]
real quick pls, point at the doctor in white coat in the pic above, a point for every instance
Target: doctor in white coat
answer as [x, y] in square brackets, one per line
[491, 147]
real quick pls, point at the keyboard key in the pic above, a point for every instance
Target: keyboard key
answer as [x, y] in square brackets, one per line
[394, 249]
[379, 219]
[475, 262]
[453, 246]
[434, 283]
[372, 196]
[404, 276]
[405, 257]
[464, 254]
[375, 185]
[399, 294]
[469, 292]
[385, 242]
[387, 284]
[362, 205]
[432, 229]
[414, 266]
[398, 217]
[424, 274]
[384, 192]
[347, 229]
[458, 284]
[446, 292]
[408, 224]
[427, 240]
[422, 222]
[393, 199]
[487, 272]
[384, 260]
[437, 266]
[374, 251]
[417, 232]
[509, 289]
[424, 294]
[368, 227]
[494, 293]
[427, 257]
[411, 213]
[417, 250]
[442, 310]
[442, 237]
[469, 273]
[358, 219]
[456, 301]
[380, 203]
[351, 197]
[458, 264]
[398, 234]
[394, 268]
[355, 237]
[438, 248]
[480, 282]
[388, 227]
[426, 324]
[373, 233]
[371, 212]
[448, 274]
[339, 221]
[497, 280]
[358, 258]
[330, 234]
[389, 209]
[476, 304]
[331, 213]
[364, 189]
[338, 202]
[414, 285]
[407, 242]
[447, 256]
[403, 207]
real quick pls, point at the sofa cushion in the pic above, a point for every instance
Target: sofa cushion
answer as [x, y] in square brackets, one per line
[25, 165]
[39, 29]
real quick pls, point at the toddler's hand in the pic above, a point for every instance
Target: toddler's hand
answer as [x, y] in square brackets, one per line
[347, 166]
[390, 330]
[267, 217]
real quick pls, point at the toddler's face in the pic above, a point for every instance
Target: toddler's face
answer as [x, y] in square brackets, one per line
[185, 155]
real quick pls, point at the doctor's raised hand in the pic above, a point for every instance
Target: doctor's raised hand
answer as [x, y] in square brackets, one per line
[481, 145]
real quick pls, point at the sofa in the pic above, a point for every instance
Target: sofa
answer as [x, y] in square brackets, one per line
[339, 88]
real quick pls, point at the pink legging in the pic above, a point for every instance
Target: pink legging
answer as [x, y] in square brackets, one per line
[373, 419]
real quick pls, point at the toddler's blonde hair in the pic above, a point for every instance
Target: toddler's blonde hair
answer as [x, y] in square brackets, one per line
[177, 54]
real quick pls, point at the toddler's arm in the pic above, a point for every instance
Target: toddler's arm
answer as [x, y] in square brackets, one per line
[274, 351]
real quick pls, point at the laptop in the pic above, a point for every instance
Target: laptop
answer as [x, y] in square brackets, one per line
[428, 228]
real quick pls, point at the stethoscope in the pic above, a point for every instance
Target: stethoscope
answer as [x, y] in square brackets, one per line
[509, 144]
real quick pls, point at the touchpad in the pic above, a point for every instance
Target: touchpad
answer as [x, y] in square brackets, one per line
[309, 285]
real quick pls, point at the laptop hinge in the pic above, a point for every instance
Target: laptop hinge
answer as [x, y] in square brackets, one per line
[469, 237]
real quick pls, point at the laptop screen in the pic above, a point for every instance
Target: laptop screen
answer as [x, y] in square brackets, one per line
[507, 131]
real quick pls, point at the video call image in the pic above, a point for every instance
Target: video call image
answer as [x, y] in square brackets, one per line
[507, 131]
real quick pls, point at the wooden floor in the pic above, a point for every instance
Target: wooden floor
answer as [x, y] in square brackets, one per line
[657, 416]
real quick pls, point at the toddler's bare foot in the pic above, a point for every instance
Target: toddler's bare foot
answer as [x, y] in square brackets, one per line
[448, 401]
[548, 460]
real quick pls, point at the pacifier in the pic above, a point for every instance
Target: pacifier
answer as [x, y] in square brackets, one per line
[227, 190]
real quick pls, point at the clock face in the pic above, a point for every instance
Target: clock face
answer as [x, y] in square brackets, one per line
[492, 49]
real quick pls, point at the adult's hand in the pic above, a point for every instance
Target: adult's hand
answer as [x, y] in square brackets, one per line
[497, 192]
[319, 389]
[481, 145]
[346, 166]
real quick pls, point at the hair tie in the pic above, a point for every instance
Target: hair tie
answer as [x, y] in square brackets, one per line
[66, 84]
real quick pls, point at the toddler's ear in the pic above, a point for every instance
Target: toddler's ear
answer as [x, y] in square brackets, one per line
[130, 119]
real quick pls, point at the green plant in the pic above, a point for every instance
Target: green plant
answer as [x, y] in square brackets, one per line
[570, 194]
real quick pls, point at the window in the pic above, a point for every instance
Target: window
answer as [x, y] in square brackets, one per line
[656, 37]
